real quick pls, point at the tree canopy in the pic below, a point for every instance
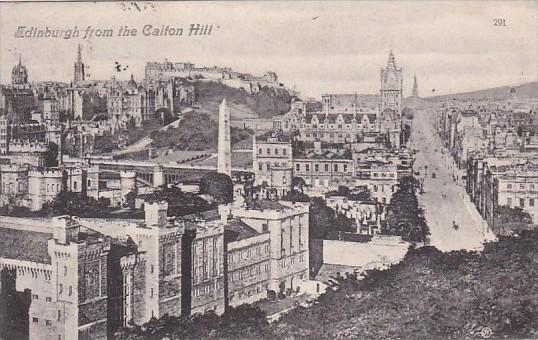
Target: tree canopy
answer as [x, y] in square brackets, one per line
[217, 185]
[179, 202]
[405, 217]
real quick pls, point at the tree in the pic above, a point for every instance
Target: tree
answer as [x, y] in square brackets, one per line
[405, 218]
[217, 185]
[298, 183]
[179, 203]
[323, 219]
[511, 219]
[51, 158]
[76, 204]
[130, 199]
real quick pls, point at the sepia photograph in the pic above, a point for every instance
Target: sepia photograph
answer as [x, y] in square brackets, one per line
[268, 170]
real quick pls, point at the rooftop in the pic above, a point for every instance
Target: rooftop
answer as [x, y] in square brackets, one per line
[24, 245]
[237, 230]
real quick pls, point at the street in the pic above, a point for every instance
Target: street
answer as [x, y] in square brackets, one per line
[444, 201]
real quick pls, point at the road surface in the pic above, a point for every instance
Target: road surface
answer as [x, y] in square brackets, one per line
[444, 201]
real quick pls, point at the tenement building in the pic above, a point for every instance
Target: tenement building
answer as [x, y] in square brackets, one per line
[287, 225]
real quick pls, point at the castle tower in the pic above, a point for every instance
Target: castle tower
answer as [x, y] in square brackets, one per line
[224, 147]
[79, 74]
[391, 86]
[415, 88]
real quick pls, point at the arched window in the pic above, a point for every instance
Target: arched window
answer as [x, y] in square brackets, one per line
[89, 183]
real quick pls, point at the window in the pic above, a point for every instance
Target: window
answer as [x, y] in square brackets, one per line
[89, 183]
[284, 151]
[152, 268]
[48, 322]
[509, 186]
[151, 293]
[260, 166]
[65, 270]
[276, 151]
[522, 202]
[307, 167]
[268, 166]
[326, 167]
[70, 290]
[335, 167]
[345, 167]
[75, 185]
[531, 202]
[60, 288]
[48, 299]
[59, 315]
[35, 297]
[297, 167]
[268, 151]
[509, 201]
[522, 186]
[35, 320]
[316, 167]
[259, 151]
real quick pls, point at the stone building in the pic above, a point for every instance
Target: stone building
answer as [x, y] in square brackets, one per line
[247, 267]
[57, 281]
[272, 159]
[21, 185]
[174, 94]
[287, 225]
[203, 270]
[130, 104]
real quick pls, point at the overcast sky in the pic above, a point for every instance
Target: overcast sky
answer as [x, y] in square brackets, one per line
[321, 47]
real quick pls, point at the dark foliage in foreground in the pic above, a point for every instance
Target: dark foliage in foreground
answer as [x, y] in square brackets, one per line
[429, 295]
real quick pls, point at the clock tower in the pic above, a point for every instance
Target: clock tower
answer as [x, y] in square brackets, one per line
[391, 86]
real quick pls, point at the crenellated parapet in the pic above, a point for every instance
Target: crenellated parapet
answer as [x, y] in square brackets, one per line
[27, 146]
[27, 268]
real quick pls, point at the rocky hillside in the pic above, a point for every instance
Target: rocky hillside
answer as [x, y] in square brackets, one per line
[265, 104]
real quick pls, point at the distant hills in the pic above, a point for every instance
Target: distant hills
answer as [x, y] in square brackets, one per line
[527, 90]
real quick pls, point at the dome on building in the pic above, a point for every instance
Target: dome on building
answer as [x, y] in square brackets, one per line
[131, 85]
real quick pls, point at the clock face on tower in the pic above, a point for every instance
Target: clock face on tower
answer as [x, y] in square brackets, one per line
[392, 82]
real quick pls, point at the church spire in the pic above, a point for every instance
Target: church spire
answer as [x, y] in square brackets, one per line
[79, 54]
[392, 61]
[415, 87]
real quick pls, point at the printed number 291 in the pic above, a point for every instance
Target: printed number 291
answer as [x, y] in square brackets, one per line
[499, 22]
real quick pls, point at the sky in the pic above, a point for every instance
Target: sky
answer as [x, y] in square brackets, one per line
[318, 47]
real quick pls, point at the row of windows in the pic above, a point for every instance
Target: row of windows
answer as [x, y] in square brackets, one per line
[48, 322]
[521, 186]
[521, 202]
[326, 167]
[276, 151]
[291, 261]
[241, 274]
[246, 253]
